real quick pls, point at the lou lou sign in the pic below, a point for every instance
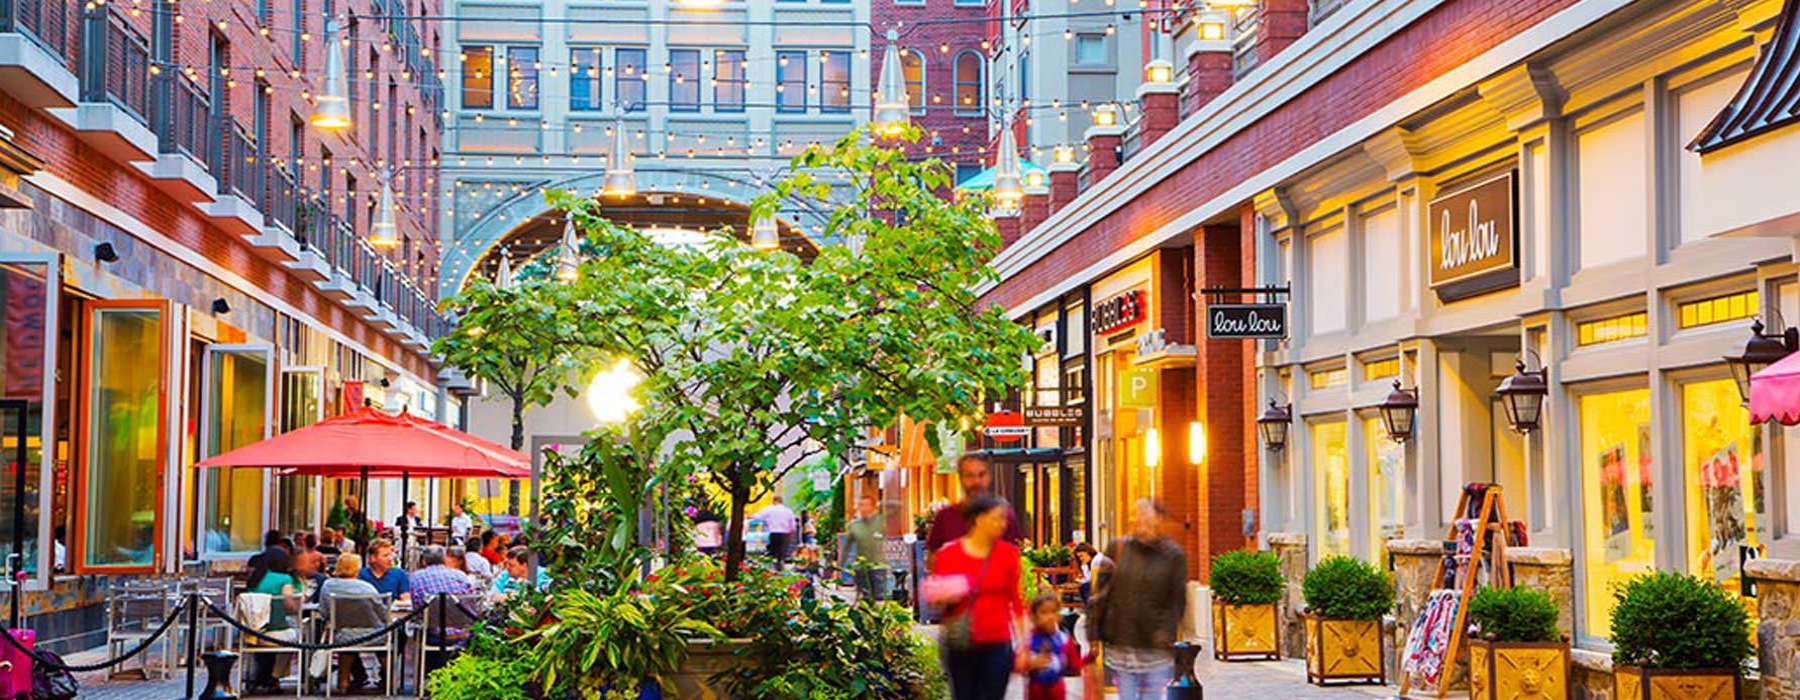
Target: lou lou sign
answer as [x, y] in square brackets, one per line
[1472, 231]
[1236, 321]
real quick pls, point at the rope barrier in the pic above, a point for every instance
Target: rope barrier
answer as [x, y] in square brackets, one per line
[83, 668]
[263, 635]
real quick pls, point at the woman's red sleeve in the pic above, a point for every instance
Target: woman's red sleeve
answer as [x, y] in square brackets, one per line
[1072, 655]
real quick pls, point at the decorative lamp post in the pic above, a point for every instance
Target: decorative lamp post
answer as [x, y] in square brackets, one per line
[331, 107]
[1209, 25]
[568, 254]
[1523, 394]
[621, 175]
[892, 104]
[1273, 425]
[1399, 412]
[384, 233]
[1762, 350]
[1064, 155]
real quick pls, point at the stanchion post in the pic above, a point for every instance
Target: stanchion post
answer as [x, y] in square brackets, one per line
[193, 638]
[1185, 686]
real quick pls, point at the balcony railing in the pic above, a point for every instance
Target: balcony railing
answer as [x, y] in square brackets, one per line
[184, 128]
[46, 21]
[115, 60]
[240, 172]
[281, 205]
[1133, 140]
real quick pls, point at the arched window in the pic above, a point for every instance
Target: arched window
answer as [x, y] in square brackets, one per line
[969, 99]
[912, 68]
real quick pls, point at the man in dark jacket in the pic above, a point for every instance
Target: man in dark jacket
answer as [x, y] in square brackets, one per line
[977, 478]
[1140, 599]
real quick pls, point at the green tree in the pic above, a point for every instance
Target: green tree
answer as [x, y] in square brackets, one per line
[757, 361]
[518, 339]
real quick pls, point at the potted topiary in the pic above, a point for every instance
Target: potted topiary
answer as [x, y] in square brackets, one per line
[1677, 636]
[1515, 650]
[1246, 585]
[1345, 600]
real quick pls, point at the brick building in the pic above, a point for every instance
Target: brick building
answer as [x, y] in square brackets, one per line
[187, 269]
[943, 55]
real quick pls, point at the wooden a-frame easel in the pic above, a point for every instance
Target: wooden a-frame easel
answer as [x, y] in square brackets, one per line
[1492, 520]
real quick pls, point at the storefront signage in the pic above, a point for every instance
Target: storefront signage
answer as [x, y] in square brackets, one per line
[1119, 313]
[1233, 321]
[1473, 233]
[1053, 415]
[1138, 388]
[1006, 426]
[353, 396]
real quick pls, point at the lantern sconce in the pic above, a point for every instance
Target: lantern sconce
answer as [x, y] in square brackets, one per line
[1523, 395]
[1400, 412]
[1762, 350]
[1273, 425]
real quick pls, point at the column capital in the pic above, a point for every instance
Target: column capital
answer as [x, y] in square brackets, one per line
[1275, 207]
[1524, 94]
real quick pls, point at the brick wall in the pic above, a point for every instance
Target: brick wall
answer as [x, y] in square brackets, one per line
[1444, 38]
[953, 138]
[1221, 406]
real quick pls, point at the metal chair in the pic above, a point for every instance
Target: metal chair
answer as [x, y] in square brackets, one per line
[460, 612]
[134, 611]
[260, 646]
[217, 592]
[349, 617]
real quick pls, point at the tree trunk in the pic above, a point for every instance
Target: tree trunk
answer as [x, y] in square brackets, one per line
[518, 443]
[734, 535]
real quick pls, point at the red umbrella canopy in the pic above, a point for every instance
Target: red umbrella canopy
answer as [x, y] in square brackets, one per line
[386, 446]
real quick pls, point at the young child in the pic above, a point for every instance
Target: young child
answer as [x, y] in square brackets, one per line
[1049, 654]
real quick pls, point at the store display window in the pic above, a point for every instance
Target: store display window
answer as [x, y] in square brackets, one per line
[1726, 483]
[1386, 461]
[1331, 483]
[1618, 480]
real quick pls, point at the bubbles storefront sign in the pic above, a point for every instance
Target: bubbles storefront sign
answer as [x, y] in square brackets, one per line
[1474, 242]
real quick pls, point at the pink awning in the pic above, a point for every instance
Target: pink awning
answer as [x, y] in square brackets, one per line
[1775, 392]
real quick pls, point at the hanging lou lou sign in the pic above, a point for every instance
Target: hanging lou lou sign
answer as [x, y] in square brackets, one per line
[1235, 321]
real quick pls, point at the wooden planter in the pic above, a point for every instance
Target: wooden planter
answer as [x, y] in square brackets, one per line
[1343, 650]
[706, 659]
[1518, 670]
[1639, 683]
[1244, 632]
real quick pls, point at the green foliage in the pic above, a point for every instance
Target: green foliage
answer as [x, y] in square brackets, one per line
[1049, 556]
[1243, 577]
[590, 509]
[861, 651]
[1346, 588]
[759, 599]
[1669, 620]
[521, 339]
[1514, 615]
[833, 521]
[472, 677]
[594, 644]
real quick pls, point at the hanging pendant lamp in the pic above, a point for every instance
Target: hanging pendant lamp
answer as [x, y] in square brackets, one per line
[503, 278]
[892, 104]
[331, 107]
[568, 257]
[384, 233]
[765, 234]
[1009, 183]
[621, 176]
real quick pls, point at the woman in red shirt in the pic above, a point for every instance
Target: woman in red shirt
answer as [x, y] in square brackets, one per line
[985, 570]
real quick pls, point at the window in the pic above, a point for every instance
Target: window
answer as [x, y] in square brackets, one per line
[790, 81]
[1727, 489]
[522, 77]
[628, 78]
[1612, 330]
[1090, 50]
[124, 440]
[1617, 477]
[1327, 378]
[1331, 481]
[912, 69]
[296, 143]
[834, 81]
[584, 78]
[237, 403]
[477, 77]
[728, 81]
[968, 83]
[1387, 486]
[1381, 369]
[298, 15]
[1730, 307]
[29, 305]
[684, 80]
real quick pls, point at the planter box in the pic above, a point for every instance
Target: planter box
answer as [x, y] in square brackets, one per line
[1518, 670]
[1639, 683]
[1244, 632]
[705, 660]
[1343, 650]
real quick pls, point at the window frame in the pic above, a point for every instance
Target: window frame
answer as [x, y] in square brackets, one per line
[537, 80]
[782, 79]
[641, 78]
[834, 95]
[677, 81]
[915, 100]
[204, 438]
[740, 82]
[1079, 62]
[46, 553]
[78, 544]
[463, 77]
[597, 82]
[957, 82]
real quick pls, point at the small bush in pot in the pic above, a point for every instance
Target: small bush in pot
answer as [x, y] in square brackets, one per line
[1345, 600]
[1668, 624]
[1515, 648]
[1245, 586]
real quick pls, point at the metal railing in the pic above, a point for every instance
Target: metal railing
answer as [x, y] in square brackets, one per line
[183, 124]
[281, 205]
[115, 63]
[239, 173]
[45, 21]
[1133, 140]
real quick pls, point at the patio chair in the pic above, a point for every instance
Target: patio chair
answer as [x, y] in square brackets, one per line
[134, 611]
[216, 591]
[460, 612]
[350, 617]
[260, 645]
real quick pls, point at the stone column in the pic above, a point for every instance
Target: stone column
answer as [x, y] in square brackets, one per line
[1290, 547]
[1778, 625]
[1414, 563]
[1549, 570]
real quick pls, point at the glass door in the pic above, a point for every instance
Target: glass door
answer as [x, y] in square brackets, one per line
[237, 409]
[29, 287]
[123, 436]
[302, 404]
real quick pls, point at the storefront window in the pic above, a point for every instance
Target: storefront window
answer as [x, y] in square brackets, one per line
[1617, 479]
[1727, 497]
[302, 391]
[237, 415]
[1387, 486]
[1331, 481]
[124, 436]
[25, 295]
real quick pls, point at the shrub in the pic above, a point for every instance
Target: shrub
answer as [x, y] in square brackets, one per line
[1669, 620]
[1245, 577]
[1342, 588]
[1514, 615]
[473, 677]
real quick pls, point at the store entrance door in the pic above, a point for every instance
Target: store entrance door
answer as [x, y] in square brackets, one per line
[1039, 494]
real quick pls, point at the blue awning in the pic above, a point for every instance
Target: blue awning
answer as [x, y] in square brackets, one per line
[985, 179]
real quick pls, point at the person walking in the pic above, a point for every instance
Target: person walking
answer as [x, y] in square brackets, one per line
[782, 524]
[865, 558]
[460, 523]
[1139, 600]
[977, 578]
[977, 478]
